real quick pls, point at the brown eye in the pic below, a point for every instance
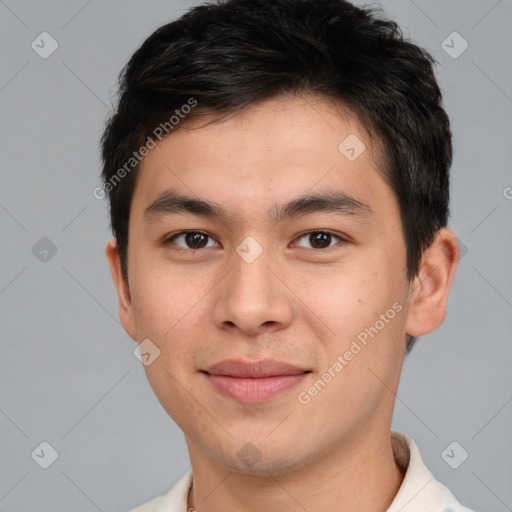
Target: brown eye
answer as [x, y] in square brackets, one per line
[192, 239]
[320, 239]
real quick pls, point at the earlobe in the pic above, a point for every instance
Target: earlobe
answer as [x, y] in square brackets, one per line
[429, 291]
[123, 290]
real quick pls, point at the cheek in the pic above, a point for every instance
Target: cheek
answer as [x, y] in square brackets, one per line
[364, 312]
[161, 299]
[169, 318]
[346, 299]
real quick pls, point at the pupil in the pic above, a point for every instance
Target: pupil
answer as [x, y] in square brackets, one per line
[195, 239]
[319, 236]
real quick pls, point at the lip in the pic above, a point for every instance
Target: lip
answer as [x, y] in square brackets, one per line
[255, 381]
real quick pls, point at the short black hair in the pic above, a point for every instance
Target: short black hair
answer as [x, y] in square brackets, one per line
[222, 56]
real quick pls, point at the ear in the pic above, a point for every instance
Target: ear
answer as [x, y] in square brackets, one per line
[429, 290]
[123, 291]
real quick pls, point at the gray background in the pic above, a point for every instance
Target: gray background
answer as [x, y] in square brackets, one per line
[68, 374]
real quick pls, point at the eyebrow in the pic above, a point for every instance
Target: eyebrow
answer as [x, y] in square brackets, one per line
[328, 201]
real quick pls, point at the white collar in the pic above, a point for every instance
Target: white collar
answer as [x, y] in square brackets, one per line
[419, 492]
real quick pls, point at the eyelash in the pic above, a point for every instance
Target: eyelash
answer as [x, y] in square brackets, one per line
[171, 238]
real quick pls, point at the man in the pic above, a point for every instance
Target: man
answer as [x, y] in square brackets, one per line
[278, 177]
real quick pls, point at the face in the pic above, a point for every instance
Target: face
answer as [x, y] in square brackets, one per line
[246, 278]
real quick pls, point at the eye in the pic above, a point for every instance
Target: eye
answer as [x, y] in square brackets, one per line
[195, 240]
[320, 239]
[192, 239]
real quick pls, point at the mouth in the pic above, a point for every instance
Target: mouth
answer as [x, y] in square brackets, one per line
[253, 382]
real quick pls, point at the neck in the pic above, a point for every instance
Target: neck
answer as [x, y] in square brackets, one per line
[361, 473]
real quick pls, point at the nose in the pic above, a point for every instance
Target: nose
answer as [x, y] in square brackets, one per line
[253, 297]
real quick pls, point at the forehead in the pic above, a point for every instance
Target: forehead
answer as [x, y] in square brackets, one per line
[281, 148]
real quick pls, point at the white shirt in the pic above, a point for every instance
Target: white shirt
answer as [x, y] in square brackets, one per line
[419, 492]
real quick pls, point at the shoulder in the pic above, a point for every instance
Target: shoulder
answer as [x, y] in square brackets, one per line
[420, 490]
[174, 501]
[149, 506]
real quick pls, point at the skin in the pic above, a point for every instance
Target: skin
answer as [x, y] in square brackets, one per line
[295, 303]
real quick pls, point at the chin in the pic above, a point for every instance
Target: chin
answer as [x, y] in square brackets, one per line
[263, 467]
[269, 460]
